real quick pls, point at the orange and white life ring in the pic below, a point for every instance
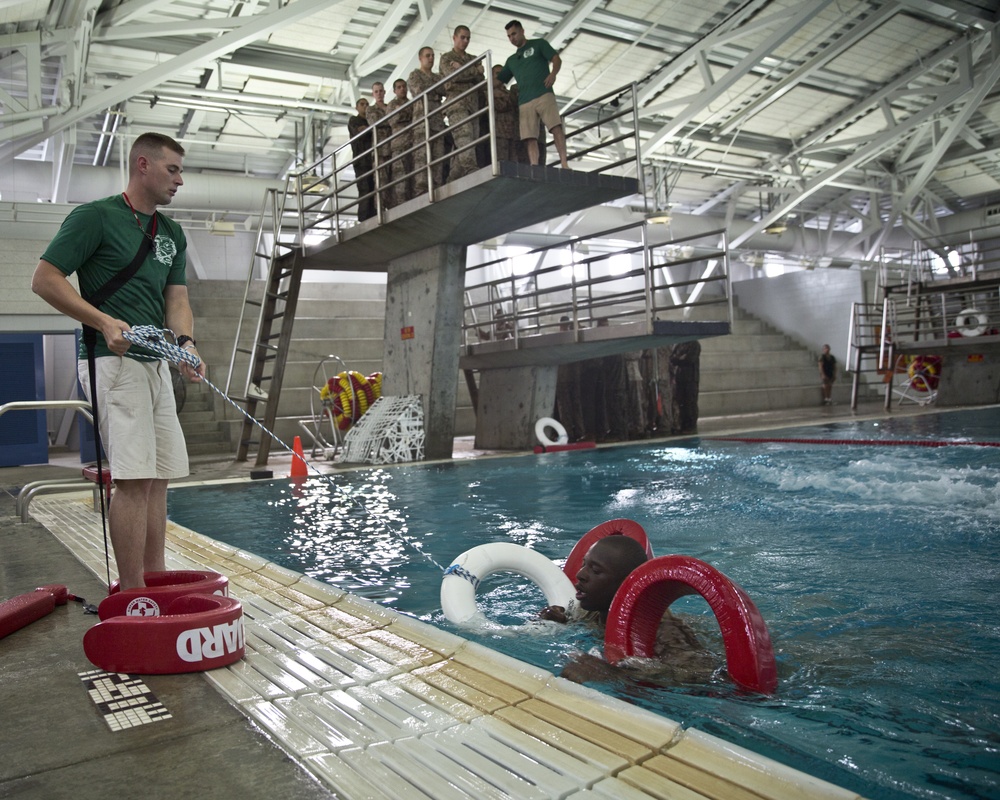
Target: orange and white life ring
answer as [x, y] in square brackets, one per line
[461, 580]
[196, 632]
[613, 527]
[160, 590]
[639, 604]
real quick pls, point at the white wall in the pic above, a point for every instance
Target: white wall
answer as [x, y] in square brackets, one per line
[813, 307]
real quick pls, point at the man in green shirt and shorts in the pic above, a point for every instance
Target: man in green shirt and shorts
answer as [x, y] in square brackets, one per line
[536, 100]
[138, 417]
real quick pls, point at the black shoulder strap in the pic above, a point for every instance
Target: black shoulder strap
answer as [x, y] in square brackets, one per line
[118, 280]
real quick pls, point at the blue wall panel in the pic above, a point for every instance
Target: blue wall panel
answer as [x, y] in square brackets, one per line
[23, 435]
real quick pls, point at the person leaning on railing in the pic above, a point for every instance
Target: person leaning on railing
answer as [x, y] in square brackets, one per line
[504, 119]
[462, 122]
[376, 114]
[401, 115]
[427, 100]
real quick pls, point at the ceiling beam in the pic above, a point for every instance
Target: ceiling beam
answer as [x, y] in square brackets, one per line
[786, 26]
[254, 28]
[835, 48]
[568, 26]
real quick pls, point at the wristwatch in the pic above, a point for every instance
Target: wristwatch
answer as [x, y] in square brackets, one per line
[183, 340]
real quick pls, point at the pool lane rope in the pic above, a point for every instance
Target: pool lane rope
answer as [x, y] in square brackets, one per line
[151, 338]
[863, 442]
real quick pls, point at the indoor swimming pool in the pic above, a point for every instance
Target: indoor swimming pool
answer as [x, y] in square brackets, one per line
[874, 566]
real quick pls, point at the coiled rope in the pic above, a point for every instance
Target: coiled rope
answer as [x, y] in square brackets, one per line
[152, 339]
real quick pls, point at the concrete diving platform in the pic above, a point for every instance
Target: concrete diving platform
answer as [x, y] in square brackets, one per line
[565, 347]
[472, 209]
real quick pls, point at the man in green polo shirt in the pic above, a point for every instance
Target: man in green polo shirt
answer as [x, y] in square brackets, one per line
[138, 418]
[530, 66]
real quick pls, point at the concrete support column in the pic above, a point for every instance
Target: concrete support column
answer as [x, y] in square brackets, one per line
[423, 336]
[511, 401]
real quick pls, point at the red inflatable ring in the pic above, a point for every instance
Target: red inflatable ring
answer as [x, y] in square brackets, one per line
[613, 527]
[161, 588]
[649, 590]
[197, 632]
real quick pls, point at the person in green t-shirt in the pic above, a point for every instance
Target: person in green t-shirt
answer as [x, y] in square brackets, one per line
[138, 417]
[530, 67]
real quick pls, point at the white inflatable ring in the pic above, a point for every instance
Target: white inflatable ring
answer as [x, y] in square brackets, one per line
[547, 422]
[971, 322]
[462, 578]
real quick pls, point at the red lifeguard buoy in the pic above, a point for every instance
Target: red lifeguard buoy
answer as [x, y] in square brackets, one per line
[648, 591]
[161, 588]
[197, 632]
[623, 527]
[26, 608]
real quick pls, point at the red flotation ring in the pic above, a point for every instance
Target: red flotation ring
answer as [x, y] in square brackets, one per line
[613, 527]
[196, 632]
[161, 588]
[26, 608]
[649, 590]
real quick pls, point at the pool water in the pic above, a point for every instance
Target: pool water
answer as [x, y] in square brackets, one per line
[876, 569]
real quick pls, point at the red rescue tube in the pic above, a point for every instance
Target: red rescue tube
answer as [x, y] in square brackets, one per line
[197, 632]
[160, 590]
[25, 609]
[649, 590]
[613, 527]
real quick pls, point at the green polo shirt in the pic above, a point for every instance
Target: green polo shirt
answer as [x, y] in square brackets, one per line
[529, 66]
[101, 238]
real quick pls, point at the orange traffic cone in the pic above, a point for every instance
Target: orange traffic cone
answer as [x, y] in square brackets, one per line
[299, 469]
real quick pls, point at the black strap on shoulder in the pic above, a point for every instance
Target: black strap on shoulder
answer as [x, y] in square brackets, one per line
[119, 279]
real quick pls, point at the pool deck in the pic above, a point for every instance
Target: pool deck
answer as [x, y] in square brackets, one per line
[337, 696]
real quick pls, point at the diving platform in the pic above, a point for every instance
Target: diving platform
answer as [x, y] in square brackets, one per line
[443, 314]
[566, 347]
[471, 209]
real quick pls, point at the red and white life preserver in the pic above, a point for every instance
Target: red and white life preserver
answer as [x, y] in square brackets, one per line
[648, 591]
[160, 590]
[613, 527]
[196, 632]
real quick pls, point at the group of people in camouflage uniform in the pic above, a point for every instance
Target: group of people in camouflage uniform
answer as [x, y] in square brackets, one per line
[395, 149]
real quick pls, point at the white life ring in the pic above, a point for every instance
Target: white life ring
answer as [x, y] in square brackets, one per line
[547, 422]
[462, 578]
[971, 322]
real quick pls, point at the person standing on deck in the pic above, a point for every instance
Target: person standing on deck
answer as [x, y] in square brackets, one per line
[99, 241]
[530, 66]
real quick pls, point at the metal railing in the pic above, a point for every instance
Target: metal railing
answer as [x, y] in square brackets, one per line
[881, 332]
[614, 276]
[330, 192]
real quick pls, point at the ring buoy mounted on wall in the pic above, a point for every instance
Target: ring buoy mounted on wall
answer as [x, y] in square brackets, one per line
[613, 527]
[160, 590]
[971, 322]
[648, 591]
[461, 580]
[542, 428]
[196, 632]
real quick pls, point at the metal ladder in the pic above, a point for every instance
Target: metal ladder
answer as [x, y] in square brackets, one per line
[266, 355]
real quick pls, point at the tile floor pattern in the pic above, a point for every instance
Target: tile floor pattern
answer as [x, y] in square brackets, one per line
[375, 704]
